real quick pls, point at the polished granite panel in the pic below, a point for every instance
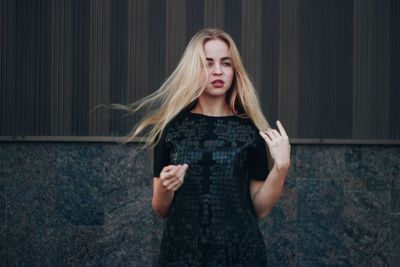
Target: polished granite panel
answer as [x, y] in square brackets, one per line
[322, 162]
[374, 169]
[320, 223]
[367, 223]
[89, 204]
[395, 240]
[80, 170]
[279, 228]
[29, 245]
[28, 177]
[3, 247]
[74, 204]
[77, 246]
[395, 192]
[3, 203]
[129, 219]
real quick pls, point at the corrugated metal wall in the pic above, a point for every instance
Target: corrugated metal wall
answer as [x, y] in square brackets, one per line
[326, 69]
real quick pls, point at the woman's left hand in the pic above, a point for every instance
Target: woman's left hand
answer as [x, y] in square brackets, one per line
[278, 144]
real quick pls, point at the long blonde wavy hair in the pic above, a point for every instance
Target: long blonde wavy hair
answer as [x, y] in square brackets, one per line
[187, 82]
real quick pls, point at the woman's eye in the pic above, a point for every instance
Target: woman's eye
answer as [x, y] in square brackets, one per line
[228, 64]
[210, 64]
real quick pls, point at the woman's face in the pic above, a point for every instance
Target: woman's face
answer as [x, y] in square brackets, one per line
[219, 67]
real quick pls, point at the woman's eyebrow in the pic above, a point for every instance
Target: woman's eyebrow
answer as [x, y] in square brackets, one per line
[224, 58]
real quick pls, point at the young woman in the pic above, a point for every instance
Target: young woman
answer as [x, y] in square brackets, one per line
[211, 176]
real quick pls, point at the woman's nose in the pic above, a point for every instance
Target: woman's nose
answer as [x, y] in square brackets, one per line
[217, 69]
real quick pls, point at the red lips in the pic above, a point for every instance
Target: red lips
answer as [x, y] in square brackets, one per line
[218, 83]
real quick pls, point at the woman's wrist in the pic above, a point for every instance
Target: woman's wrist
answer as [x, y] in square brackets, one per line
[282, 167]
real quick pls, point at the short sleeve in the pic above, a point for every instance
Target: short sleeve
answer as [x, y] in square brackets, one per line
[161, 155]
[258, 160]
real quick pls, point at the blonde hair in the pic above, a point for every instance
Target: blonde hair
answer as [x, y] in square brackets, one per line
[187, 83]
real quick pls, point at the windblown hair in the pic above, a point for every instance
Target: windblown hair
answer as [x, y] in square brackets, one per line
[187, 82]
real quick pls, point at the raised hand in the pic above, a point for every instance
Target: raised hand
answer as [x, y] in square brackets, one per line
[278, 144]
[172, 176]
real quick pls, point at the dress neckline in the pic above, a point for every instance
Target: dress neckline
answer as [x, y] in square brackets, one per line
[211, 117]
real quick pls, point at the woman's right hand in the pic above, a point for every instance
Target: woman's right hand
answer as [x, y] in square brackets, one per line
[172, 176]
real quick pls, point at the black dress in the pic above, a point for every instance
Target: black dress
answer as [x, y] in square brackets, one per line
[212, 221]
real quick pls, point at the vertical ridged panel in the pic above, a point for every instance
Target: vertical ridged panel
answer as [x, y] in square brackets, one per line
[270, 64]
[176, 33]
[8, 68]
[194, 18]
[140, 72]
[371, 68]
[119, 49]
[100, 64]
[42, 111]
[394, 112]
[288, 57]
[24, 60]
[157, 40]
[214, 13]
[233, 20]
[310, 69]
[251, 39]
[336, 76]
[327, 69]
[2, 69]
[324, 73]
[80, 66]
[62, 66]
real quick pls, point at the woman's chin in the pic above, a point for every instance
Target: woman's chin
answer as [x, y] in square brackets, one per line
[215, 92]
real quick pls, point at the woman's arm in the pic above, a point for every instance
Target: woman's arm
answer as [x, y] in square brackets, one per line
[162, 198]
[164, 187]
[266, 193]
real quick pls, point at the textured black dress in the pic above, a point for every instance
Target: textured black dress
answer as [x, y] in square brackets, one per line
[212, 221]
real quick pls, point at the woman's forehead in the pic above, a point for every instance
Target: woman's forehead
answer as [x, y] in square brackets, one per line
[216, 49]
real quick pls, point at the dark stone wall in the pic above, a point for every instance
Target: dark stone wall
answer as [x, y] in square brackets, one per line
[89, 204]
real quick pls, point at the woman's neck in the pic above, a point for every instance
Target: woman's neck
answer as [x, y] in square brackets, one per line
[212, 107]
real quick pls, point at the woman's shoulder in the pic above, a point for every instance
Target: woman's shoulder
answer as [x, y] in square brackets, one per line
[176, 120]
[248, 121]
[252, 129]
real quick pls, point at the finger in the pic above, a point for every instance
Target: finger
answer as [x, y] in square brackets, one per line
[166, 175]
[281, 129]
[174, 171]
[265, 137]
[173, 174]
[270, 134]
[182, 170]
[174, 185]
[176, 177]
[275, 132]
[185, 166]
[168, 168]
[165, 183]
[166, 178]
[170, 177]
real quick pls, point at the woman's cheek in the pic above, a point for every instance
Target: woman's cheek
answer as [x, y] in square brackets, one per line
[230, 74]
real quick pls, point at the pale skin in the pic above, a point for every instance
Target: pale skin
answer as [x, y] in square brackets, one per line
[212, 102]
